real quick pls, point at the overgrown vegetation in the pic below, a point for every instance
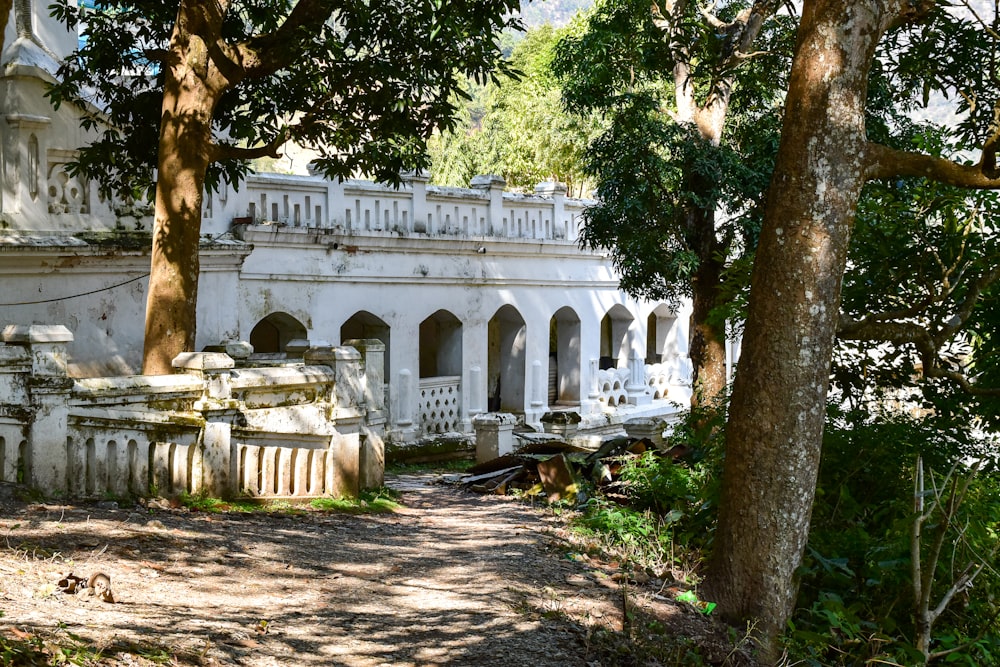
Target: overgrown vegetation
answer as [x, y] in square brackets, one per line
[877, 529]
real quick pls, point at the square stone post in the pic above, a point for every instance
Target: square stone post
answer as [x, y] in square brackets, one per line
[49, 390]
[417, 180]
[219, 409]
[557, 192]
[344, 462]
[494, 435]
[372, 455]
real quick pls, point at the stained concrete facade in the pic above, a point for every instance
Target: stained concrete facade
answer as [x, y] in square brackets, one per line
[483, 299]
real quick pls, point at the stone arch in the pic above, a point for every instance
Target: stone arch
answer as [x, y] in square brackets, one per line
[440, 345]
[565, 357]
[364, 324]
[273, 333]
[507, 356]
[660, 345]
[440, 368]
[614, 337]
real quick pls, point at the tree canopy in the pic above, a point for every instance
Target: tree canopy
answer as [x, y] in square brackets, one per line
[213, 85]
[516, 126]
[690, 96]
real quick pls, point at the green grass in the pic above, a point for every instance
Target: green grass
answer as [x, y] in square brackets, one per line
[372, 501]
[376, 501]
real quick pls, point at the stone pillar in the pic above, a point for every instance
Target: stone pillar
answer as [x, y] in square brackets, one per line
[537, 386]
[49, 389]
[373, 384]
[405, 427]
[494, 435]
[636, 385]
[418, 202]
[477, 395]
[372, 455]
[348, 396]
[214, 466]
[494, 186]
[336, 205]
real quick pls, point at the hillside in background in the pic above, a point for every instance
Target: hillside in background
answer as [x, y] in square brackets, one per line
[556, 12]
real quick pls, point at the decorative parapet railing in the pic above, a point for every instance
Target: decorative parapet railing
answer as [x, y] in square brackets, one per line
[658, 379]
[363, 207]
[440, 404]
[616, 387]
[611, 386]
[293, 431]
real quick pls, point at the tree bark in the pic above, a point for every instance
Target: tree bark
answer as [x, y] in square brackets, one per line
[707, 345]
[183, 156]
[773, 438]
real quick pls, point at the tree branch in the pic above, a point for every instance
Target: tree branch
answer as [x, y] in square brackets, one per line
[263, 55]
[885, 163]
[230, 152]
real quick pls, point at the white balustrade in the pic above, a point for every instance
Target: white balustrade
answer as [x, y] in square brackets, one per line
[440, 404]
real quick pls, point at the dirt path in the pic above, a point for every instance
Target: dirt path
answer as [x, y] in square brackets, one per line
[453, 578]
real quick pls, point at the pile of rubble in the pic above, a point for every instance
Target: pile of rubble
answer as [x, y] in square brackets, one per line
[553, 469]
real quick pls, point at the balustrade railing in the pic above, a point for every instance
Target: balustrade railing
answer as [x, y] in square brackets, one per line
[440, 404]
[363, 207]
[612, 384]
[293, 431]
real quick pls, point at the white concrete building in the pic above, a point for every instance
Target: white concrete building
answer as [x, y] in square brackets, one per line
[483, 299]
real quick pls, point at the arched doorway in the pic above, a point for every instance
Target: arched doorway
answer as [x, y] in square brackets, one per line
[564, 357]
[272, 334]
[506, 360]
[440, 346]
[659, 331]
[363, 324]
[614, 337]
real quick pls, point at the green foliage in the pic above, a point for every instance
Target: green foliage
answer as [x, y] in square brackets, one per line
[672, 197]
[856, 596]
[516, 127]
[661, 511]
[371, 501]
[365, 88]
[923, 274]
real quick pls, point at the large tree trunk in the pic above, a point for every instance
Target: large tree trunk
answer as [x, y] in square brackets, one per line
[185, 142]
[775, 428]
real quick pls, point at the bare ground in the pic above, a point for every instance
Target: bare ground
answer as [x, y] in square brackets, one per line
[452, 578]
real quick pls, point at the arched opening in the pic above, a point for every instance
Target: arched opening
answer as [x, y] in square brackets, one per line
[614, 338]
[564, 358]
[660, 344]
[273, 333]
[506, 360]
[440, 346]
[363, 324]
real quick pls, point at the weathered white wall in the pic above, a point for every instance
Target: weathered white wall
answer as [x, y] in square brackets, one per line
[316, 250]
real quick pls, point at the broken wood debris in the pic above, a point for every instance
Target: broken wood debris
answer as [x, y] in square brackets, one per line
[555, 468]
